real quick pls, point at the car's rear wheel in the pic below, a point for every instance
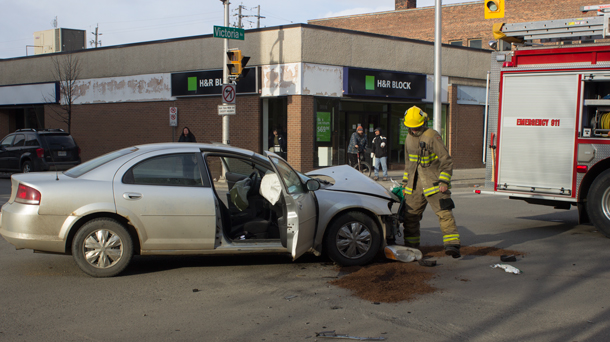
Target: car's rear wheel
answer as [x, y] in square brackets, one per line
[352, 239]
[102, 247]
[26, 166]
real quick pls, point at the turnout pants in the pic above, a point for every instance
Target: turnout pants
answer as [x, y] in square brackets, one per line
[415, 204]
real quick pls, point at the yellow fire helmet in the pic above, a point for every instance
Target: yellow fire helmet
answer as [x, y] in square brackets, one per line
[415, 117]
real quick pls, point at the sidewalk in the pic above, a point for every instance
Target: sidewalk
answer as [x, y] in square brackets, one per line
[462, 178]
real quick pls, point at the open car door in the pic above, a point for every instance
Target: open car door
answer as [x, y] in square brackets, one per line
[301, 208]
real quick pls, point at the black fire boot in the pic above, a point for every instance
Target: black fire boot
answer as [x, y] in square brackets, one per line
[453, 250]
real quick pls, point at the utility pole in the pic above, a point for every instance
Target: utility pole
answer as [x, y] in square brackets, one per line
[240, 16]
[96, 41]
[225, 75]
[437, 67]
[258, 17]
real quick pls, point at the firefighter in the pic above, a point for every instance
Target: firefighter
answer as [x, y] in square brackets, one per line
[427, 179]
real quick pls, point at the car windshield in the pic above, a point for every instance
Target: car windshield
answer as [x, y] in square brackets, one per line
[83, 168]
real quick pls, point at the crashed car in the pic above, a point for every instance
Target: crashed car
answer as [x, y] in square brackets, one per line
[196, 199]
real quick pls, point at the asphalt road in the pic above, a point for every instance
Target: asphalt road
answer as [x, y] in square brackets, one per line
[560, 296]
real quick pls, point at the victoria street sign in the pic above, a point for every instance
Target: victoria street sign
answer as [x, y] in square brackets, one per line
[229, 32]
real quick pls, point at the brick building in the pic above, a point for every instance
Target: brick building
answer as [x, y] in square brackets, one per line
[462, 24]
[311, 81]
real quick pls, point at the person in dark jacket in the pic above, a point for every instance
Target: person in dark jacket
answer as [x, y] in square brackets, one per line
[277, 143]
[357, 144]
[380, 153]
[187, 136]
[188, 162]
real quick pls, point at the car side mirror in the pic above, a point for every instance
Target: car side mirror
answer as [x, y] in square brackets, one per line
[312, 184]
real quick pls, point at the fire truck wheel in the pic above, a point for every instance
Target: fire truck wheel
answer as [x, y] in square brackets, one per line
[598, 203]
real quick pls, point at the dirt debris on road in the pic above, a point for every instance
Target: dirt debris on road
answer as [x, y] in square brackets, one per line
[392, 281]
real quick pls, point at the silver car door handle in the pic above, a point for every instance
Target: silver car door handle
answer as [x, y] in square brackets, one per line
[132, 196]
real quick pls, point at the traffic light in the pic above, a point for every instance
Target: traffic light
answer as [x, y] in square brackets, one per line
[494, 9]
[237, 63]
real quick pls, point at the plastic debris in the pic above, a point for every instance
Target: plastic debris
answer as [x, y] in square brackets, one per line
[507, 268]
[427, 262]
[332, 334]
[402, 253]
[508, 258]
[290, 297]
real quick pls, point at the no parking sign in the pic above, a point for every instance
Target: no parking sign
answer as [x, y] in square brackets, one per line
[173, 116]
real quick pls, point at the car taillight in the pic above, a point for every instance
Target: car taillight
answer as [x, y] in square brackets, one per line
[40, 152]
[79, 151]
[27, 195]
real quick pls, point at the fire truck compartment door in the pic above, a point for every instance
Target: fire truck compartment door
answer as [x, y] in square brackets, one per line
[538, 120]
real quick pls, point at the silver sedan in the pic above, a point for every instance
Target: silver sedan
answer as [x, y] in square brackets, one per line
[180, 199]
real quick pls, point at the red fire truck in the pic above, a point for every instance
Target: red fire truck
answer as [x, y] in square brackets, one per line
[548, 136]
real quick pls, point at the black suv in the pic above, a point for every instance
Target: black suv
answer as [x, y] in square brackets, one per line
[31, 150]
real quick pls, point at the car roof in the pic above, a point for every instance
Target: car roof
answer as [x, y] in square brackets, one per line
[201, 146]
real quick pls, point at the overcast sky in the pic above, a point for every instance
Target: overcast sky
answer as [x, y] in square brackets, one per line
[130, 21]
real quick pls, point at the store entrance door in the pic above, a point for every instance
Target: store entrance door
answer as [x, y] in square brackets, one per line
[369, 121]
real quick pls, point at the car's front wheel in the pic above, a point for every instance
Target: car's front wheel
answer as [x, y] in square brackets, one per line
[352, 239]
[102, 247]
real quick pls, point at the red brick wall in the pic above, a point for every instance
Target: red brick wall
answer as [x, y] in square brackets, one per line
[300, 132]
[404, 4]
[466, 124]
[101, 128]
[460, 21]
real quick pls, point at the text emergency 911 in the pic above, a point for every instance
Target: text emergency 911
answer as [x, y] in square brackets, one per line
[537, 122]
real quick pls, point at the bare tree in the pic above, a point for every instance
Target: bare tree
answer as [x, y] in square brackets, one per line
[66, 70]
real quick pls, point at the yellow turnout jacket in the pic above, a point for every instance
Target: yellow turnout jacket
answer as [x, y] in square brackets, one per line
[430, 160]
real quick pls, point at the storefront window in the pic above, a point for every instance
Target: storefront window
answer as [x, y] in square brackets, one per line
[327, 150]
[336, 120]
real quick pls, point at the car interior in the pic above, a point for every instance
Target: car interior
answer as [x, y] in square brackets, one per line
[246, 214]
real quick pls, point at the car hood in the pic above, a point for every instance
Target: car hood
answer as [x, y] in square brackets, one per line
[348, 179]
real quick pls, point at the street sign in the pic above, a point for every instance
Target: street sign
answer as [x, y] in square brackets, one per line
[229, 32]
[173, 116]
[228, 93]
[226, 109]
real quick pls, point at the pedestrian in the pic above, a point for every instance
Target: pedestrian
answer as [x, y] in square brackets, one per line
[277, 143]
[380, 153]
[357, 144]
[427, 179]
[187, 136]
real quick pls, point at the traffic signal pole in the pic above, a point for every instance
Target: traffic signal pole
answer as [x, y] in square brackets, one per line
[225, 75]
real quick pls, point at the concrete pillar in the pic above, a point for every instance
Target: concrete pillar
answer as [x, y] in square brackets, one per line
[300, 132]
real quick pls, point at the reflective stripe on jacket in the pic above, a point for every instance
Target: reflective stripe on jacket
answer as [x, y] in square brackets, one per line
[432, 163]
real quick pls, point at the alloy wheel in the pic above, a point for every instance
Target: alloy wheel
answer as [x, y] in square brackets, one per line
[353, 240]
[103, 248]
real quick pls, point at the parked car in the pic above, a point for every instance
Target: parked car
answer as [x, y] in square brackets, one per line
[29, 150]
[178, 199]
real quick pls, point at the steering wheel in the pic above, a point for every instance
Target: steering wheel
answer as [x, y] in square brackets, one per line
[254, 182]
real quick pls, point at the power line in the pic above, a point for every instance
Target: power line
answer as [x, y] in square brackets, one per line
[240, 16]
